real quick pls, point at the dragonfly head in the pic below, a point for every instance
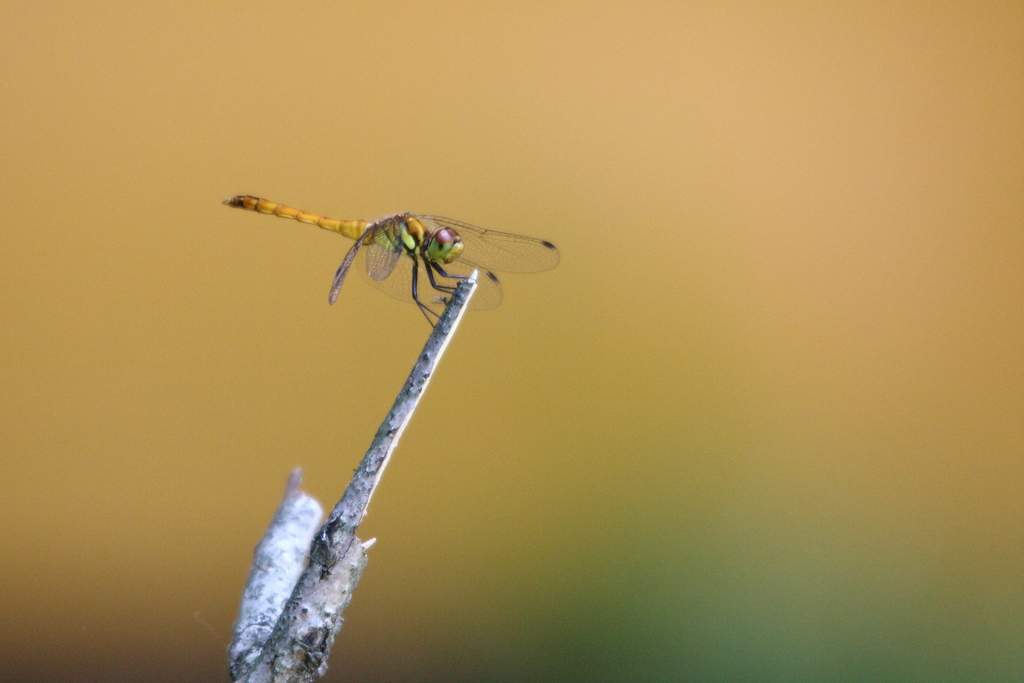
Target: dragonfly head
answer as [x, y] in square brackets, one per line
[444, 246]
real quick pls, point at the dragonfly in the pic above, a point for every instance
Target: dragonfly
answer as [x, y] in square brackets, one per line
[439, 253]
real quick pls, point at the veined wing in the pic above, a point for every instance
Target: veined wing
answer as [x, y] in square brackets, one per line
[377, 250]
[339, 275]
[383, 249]
[399, 283]
[501, 251]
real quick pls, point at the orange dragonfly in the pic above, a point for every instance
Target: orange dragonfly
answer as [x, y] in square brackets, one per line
[441, 252]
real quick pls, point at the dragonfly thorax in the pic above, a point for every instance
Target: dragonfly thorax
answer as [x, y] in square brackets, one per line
[421, 237]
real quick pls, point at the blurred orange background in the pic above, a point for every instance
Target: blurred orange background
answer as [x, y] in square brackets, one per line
[763, 423]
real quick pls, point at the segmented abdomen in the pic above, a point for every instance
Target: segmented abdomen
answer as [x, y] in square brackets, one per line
[350, 229]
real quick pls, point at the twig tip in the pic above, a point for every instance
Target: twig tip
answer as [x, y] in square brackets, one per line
[294, 482]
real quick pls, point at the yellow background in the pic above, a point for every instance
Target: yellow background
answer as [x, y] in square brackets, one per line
[764, 422]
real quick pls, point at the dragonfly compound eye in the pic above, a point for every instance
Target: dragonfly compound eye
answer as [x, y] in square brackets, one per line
[445, 246]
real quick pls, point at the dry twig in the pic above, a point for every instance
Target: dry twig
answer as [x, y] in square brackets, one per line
[297, 646]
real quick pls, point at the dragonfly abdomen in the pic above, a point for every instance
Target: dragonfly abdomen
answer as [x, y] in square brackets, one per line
[350, 229]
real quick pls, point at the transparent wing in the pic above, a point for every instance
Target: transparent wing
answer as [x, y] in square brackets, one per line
[399, 283]
[501, 251]
[339, 276]
[383, 250]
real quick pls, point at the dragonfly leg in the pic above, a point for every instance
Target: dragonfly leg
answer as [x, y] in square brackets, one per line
[415, 293]
[443, 273]
[431, 267]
